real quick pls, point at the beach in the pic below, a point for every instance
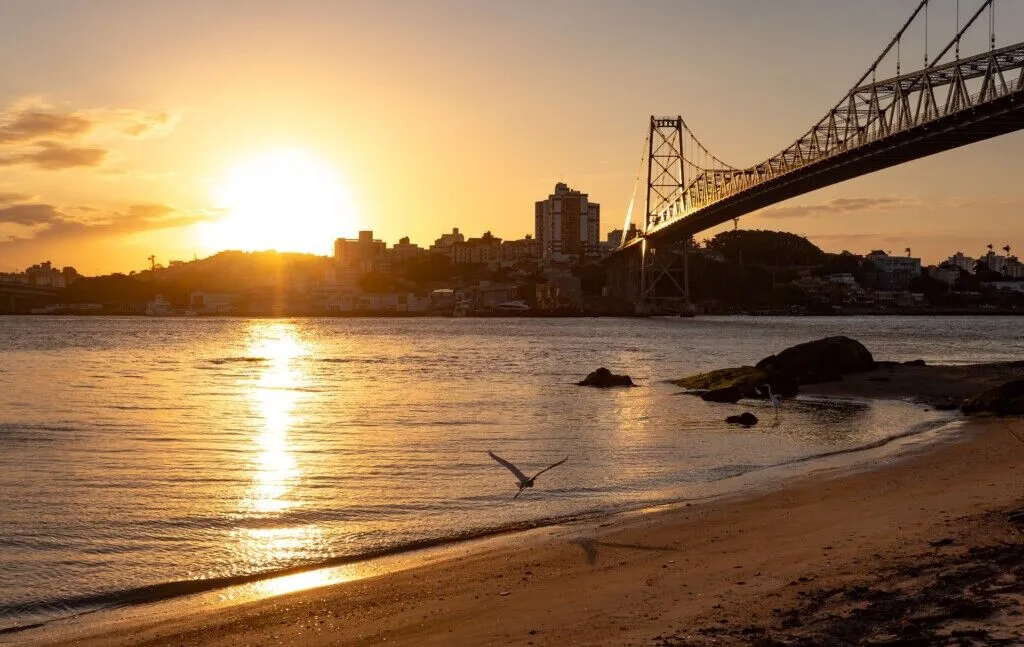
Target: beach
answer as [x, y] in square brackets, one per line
[794, 564]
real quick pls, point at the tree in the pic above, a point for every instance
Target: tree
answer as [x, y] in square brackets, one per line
[766, 248]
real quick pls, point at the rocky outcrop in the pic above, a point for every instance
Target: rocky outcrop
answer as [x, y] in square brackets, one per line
[603, 378]
[744, 378]
[822, 360]
[1004, 400]
[746, 419]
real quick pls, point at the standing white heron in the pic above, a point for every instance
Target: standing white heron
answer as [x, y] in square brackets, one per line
[524, 481]
[774, 397]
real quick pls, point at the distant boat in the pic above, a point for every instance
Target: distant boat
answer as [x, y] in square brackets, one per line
[162, 307]
[512, 306]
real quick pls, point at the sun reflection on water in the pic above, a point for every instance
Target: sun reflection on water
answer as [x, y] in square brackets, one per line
[274, 394]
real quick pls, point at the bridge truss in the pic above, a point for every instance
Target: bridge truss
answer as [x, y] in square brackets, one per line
[951, 102]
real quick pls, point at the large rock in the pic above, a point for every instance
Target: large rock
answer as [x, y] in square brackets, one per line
[822, 360]
[1005, 400]
[746, 419]
[603, 378]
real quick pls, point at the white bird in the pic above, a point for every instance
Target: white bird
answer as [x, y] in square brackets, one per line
[524, 481]
[775, 398]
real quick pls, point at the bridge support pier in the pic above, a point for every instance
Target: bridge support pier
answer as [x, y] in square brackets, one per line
[655, 279]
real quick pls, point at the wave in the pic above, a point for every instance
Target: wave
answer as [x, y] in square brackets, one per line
[235, 360]
[93, 602]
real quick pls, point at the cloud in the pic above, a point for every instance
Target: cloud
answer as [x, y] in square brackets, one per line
[34, 133]
[13, 198]
[51, 223]
[29, 125]
[839, 205]
[30, 214]
[53, 156]
[138, 124]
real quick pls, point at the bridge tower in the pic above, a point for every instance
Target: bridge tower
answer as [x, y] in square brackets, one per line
[664, 268]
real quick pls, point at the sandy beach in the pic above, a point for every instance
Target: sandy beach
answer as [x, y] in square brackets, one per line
[924, 548]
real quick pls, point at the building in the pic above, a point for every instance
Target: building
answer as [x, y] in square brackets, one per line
[567, 225]
[963, 262]
[524, 249]
[614, 240]
[47, 276]
[1007, 265]
[443, 245]
[403, 251]
[482, 250]
[363, 253]
[894, 272]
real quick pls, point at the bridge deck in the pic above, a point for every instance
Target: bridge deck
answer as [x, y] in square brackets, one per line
[998, 117]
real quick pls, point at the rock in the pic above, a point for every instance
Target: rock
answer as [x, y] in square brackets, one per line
[819, 361]
[746, 419]
[1005, 400]
[603, 378]
[745, 378]
[729, 394]
[914, 362]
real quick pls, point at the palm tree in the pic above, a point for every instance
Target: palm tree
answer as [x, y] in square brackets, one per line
[907, 250]
[990, 247]
[1006, 248]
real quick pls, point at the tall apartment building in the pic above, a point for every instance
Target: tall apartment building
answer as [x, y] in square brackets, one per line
[354, 257]
[567, 225]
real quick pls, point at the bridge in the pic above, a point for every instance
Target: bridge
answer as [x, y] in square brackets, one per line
[952, 101]
[20, 298]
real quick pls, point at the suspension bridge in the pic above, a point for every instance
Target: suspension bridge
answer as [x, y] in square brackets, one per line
[888, 117]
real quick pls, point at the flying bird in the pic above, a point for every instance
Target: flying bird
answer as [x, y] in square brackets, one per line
[524, 481]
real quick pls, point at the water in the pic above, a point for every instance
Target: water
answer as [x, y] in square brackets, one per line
[176, 453]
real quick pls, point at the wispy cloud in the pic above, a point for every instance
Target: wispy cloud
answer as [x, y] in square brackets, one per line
[36, 134]
[840, 206]
[53, 156]
[50, 223]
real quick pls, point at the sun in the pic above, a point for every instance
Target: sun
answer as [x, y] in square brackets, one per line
[289, 201]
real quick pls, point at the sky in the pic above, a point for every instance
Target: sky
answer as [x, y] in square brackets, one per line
[130, 129]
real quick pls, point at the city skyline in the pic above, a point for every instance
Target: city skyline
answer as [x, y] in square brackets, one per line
[467, 117]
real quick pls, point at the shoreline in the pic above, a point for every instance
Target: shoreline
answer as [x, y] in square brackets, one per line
[539, 314]
[115, 626]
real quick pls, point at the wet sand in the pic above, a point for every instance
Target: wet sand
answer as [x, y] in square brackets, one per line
[921, 549]
[934, 385]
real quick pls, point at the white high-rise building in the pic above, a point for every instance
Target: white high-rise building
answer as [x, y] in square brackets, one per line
[567, 225]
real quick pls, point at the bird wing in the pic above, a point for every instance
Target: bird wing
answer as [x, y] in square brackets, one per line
[550, 467]
[510, 467]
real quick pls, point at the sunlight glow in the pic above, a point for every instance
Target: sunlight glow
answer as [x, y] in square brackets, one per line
[275, 394]
[289, 201]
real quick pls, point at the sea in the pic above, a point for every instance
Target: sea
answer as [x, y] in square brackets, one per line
[144, 458]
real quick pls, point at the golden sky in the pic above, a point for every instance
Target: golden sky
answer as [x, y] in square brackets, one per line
[177, 129]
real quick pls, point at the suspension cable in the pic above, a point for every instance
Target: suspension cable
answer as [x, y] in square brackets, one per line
[957, 28]
[636, 182]
[926, 34]
[987, 4]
